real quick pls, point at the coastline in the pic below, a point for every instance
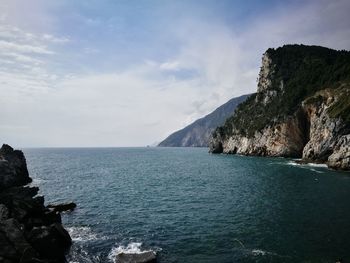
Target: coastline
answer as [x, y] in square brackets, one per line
[30, 231]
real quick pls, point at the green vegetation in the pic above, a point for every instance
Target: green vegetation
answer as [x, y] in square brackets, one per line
[341, 109]
[303, 70]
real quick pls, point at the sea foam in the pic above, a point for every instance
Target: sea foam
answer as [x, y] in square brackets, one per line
[131, 248]
[82, 233]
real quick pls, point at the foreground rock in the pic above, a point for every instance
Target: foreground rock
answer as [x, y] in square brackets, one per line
[143, 257]
[29, 231]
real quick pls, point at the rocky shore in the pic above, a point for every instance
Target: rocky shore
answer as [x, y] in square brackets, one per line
[29, 230]
[301, 109]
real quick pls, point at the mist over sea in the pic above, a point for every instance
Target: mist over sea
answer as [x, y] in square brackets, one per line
[191, 206]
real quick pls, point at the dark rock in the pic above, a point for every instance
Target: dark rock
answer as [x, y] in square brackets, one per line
[4, 212]
[62, 207]
[13, 168]
[143, 257]
[52, 217]
[29, 232]
[13, 243]
[50, 241]
[215, 147]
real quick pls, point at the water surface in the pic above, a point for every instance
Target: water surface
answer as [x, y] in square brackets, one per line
[191, 206]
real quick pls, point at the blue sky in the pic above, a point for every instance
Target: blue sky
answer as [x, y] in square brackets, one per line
[128, 73]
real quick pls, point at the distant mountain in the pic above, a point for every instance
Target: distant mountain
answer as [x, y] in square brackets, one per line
[198, 133]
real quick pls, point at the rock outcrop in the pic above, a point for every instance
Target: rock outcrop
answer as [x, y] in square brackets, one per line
[340, 158]
[198, 133]
[29, 231]
[142, 257]
[285, 118]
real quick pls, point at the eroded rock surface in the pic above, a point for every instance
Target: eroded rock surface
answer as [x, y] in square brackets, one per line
[29, 231]
[294, 113]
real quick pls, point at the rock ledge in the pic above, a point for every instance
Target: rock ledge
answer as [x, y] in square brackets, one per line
[29, 231]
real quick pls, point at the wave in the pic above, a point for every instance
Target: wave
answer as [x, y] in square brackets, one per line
[264, 253]
[81, 233]
[259, 252]
[37, 181]
[322, 165]
[293, 163]
[131, 248]
[309, 166]
[79, 255]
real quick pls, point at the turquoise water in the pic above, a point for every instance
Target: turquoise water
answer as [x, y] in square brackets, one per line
[191, 206]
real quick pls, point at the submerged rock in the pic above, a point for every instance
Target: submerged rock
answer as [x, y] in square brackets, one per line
[142, 257]
[29, 231]
[62, 207]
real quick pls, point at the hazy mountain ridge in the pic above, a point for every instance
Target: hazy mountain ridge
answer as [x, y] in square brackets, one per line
[301, 108]
[198, 133]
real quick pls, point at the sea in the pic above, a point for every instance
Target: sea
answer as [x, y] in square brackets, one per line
[191, 206]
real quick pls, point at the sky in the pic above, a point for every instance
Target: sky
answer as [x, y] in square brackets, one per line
[99, 73]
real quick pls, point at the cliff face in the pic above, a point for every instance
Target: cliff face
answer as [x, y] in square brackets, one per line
[29, 231]
[198, 133]
[296, 112]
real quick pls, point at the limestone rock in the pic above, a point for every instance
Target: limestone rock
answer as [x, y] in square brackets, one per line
[293, 113]
[340, 158]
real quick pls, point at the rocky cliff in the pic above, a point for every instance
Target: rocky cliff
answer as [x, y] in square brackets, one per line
[198, 133]
[301, 109]
[29, 231]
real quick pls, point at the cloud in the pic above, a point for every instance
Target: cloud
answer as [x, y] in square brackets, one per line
[53, 39]
[6, 46]
[58, 94]
[170, 65]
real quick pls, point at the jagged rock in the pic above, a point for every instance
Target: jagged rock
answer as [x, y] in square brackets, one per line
[50, 241]
[62, 207]
[294, 113]
[12, 241]
[29, 232]
[216, 147]
[13, 168]
[143, 257]
[4, 212]
[266, 73]
[284, 139]
[340, 158]
[323, 130]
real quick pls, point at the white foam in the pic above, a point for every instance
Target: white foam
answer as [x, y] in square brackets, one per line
[308, 165]
[316, 171]
[132, 248]
[82, 233]
[293, 163]
[259, 252]
[36, 181]
[323, 165]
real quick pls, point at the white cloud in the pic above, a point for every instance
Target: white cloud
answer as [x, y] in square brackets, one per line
[53, 39]
[144, 102]
[6, 46]
[170, 65]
